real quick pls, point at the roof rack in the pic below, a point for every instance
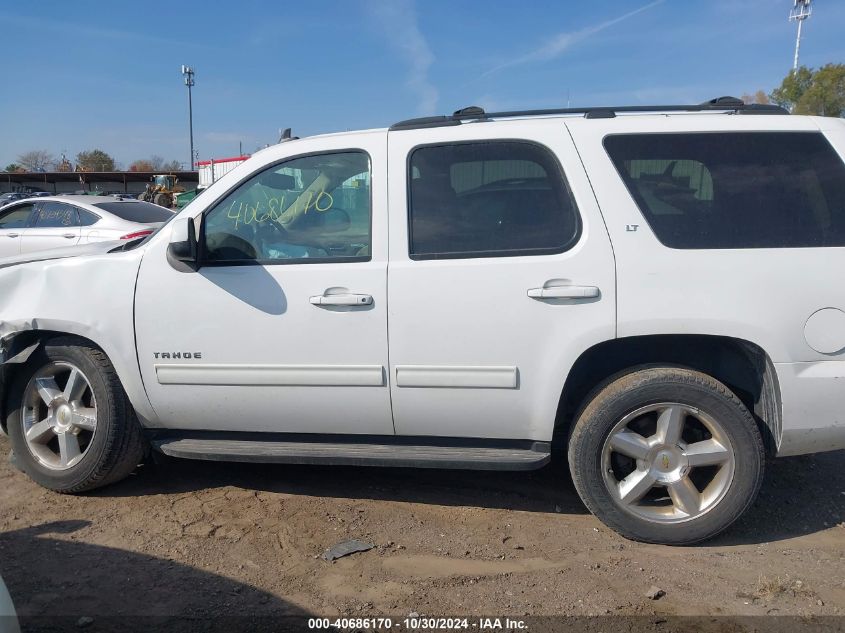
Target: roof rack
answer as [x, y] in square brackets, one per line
[475, 113]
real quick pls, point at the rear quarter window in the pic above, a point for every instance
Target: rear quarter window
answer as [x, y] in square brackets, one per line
[735, 190]
[141, 212]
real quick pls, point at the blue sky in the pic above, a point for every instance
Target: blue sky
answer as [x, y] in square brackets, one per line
[89, 74]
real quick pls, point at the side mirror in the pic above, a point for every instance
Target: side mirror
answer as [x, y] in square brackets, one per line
[182, 252]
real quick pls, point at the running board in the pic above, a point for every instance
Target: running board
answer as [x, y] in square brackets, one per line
[358, 454]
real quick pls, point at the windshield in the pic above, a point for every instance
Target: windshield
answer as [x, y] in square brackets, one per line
[137, 211]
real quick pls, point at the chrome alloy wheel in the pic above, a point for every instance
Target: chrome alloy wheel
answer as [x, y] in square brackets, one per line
[59, 415]
[667, 463]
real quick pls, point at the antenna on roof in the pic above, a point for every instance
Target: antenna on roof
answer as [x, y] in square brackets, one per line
[284, 135]
[801, 10]
[470, 111]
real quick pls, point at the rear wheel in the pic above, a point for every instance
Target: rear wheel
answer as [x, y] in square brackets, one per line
[70, 422]
[666, 455]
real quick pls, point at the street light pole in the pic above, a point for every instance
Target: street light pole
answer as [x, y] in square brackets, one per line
[800, 12]
[188, 73]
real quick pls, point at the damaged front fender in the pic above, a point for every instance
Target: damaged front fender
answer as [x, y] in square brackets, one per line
[90, 296]
[11, 353]
[21, 357]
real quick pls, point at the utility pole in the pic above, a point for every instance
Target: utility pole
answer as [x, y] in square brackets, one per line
[188, 73]
[800, 12]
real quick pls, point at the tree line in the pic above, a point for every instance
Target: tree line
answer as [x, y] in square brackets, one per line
[89, 160]
[808, 91]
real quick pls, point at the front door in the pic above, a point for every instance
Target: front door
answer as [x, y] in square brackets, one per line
[501, 275]
[284, 326]
[13, 221]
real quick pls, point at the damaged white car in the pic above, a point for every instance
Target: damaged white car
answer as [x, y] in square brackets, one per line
[653, 291]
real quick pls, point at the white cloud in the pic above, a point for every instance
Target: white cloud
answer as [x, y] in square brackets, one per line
[398, 21]
[563, 41]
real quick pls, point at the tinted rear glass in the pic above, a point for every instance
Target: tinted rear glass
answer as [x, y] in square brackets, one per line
[735, 190]
[143, 212]
[488, 199]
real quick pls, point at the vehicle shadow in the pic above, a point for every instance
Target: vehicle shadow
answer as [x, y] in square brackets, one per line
[800, 495]
[546, 490]
[251, 284]
[54, 581]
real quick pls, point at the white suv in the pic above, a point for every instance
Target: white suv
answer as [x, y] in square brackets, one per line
[654, 290]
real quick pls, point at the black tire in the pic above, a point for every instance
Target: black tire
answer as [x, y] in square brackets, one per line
[117, 445]
[163, 200]
[623, 394]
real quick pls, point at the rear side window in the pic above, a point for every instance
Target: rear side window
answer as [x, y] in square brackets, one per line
[86, 218]
[141, 212]
[735, 190]
[488, 199]
[54, 215]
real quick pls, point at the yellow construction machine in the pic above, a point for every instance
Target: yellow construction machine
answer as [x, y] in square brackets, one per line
[162, 190]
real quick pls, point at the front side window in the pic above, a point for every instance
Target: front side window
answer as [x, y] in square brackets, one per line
[309, 209]
[52, 215]
[15, 218]
[735, 190]
[488, 199]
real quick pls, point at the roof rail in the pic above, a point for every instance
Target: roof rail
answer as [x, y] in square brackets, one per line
[475, 113]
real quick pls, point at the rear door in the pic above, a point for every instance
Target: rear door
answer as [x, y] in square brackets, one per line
[501, 275]
[56, 224]
[14, 219]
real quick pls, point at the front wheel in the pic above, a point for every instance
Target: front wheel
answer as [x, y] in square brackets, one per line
[71, 425]
[666, 455]
[163, 200]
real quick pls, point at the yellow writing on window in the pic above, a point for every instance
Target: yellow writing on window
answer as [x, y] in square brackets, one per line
[273, 209]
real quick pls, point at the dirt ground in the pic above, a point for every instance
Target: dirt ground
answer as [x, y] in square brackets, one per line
[209, 539]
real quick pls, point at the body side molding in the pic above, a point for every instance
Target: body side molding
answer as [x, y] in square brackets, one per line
[271, 375]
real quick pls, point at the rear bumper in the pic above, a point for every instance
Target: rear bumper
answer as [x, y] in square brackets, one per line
[813, 407]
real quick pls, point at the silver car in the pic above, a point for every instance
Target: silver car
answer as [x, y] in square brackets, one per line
[38, 224]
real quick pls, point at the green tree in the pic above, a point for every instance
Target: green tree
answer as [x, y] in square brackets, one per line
[807, 91]
[94, 160]
[12, 168]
